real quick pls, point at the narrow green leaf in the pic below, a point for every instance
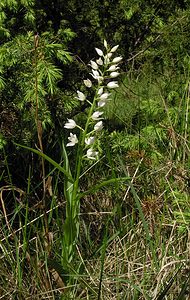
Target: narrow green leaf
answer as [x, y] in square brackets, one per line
[102, 184]
[51, 161]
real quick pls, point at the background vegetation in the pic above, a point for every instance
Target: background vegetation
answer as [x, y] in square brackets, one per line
[134, 235]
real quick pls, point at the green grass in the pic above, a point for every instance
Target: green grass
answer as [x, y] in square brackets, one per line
[133, 254]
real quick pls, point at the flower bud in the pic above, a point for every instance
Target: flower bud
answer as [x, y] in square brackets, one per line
[105, 44]
[99, 51]
[117, 59]
[114, 48]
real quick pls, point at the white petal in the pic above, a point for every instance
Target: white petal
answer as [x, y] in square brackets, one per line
[99, 51]
[105, 44]
[95, 74]
[94, 65]
[114, 48]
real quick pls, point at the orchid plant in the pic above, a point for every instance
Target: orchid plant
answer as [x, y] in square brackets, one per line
[103, 74]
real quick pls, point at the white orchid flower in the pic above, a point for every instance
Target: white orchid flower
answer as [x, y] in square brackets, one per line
[70, 124]
[100, 91]
[95, 74]
[94, 65]
[90, 140]
[113, 68]
[114, 74]
[73, 140]
[99, 51]
[88, 83]
[81, 96]
[102, 103]
[104, 96]
[112, 84]
[117, 59]
[91, 154]
[99, 61]
[98, 126]
[96, 115]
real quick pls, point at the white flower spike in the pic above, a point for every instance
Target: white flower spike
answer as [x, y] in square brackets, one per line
[112, 84]
[81, 96]
[73, 140]
[70, 124]
[91, 154]
[98, 126]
